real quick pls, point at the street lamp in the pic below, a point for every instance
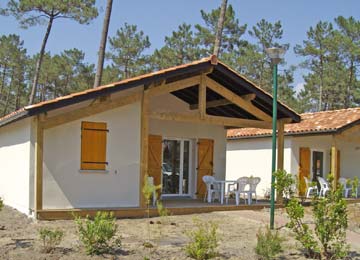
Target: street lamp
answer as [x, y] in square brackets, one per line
[276, 55]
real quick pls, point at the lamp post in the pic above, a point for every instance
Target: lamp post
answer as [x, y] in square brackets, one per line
[276, 55]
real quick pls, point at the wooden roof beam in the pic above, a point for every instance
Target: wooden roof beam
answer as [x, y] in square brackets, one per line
[213, 120]
[237, 100]
[223, 102]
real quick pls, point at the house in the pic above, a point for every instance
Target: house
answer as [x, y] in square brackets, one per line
[92, 149]
[321, 143]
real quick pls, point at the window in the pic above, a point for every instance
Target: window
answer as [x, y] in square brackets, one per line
[93, 146]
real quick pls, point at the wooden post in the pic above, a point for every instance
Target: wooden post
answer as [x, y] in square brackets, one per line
[38, 180]
[202, 97]
[280, 161]
[334, 163]
[144, 145]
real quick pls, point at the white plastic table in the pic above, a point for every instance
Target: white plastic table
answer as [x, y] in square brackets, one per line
[222, 192]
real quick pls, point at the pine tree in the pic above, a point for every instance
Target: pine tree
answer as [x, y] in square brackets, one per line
[127, 51]
[35, 12]
[181, 47]
[102, 47]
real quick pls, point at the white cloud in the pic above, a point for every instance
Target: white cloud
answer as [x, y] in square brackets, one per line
[299, 87]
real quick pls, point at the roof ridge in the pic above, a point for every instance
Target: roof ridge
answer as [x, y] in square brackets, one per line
[331, 111]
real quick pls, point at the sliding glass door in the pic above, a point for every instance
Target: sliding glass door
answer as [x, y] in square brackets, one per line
[176, 167]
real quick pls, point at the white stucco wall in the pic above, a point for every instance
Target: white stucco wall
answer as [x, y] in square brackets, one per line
[66, 187]
[246, 157]
[349, 159]
[15, 165]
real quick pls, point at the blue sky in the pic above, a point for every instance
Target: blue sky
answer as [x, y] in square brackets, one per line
[158, 18]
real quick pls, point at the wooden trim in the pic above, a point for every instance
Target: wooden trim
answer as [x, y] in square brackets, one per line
[214, 120]
[334, 163]
[222, 102]
[38, 180]
[144, 145]
[61, 214]
[280, 162]
[202, 97]
[237, 100]
[95, 108]
[173, 86]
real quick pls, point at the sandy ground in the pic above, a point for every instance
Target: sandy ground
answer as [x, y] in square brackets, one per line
[237, 230]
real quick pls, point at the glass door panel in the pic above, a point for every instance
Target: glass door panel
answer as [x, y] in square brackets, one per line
[171, 167]
[317, 165]
[186, 168]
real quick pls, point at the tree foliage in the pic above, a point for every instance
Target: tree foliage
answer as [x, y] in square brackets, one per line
[330, 53]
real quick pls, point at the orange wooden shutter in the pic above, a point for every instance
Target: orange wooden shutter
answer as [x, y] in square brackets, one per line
[93, 146]
[304, 168]
[338, 165]
[154, 158]
[205, 163]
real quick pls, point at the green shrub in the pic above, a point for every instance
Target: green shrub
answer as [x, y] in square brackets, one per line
[330, 219]
[50, 239]
[203, 241]
[1, 204]
[330, 215]
[284, 183]
[302, 231]
[268, 244]
[98, 235]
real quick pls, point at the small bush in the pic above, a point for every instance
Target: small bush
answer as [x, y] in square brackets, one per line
[1, 204]
[50, 239]
[98, 235]
[284, 184]
[354, 186]
[268, 244]
[203, 241]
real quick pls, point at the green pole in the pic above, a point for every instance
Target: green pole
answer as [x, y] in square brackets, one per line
[273, 157]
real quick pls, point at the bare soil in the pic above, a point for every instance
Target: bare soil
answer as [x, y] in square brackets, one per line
[19, 237]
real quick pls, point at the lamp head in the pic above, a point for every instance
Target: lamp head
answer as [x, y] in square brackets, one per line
[275, 54]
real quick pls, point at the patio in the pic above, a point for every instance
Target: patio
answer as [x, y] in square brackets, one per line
[175, 206]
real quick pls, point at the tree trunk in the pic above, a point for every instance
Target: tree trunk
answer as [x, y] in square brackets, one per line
[3, 80]
[101, 55]
[39, 61]
[8, 95]
[220, 27]
[348, 88]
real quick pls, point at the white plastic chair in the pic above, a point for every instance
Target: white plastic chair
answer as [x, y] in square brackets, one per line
[324, 186]
[151, 183]
[242, 182]
[212, 188]
[346, 188]
[310, 189]
[253, 183]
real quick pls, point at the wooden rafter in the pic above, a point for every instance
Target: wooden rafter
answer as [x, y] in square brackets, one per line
[173, 86]
[237, 100]
[222, 102]
[202, 96]
[214, 120]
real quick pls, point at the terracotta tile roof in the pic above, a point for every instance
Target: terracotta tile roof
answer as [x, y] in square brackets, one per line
[211, 59]
[317, 122]
[123, 84]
